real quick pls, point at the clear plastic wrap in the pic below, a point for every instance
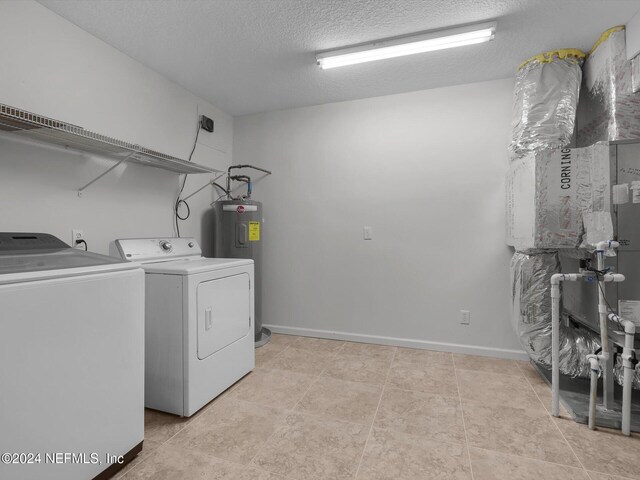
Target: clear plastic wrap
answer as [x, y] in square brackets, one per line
[559, 198]
[531, 315]
[618, 371]
[545, 101]
[609, 109]
[635, 74]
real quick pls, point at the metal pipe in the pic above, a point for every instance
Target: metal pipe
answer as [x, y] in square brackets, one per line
[243, 178]
[240, 177]
[248, 166]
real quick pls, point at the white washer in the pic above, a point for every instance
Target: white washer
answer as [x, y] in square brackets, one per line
[71, 359]
[199, 322]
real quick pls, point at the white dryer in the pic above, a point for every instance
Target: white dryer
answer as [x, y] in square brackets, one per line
[199, 316]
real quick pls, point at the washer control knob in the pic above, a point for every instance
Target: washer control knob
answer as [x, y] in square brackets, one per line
[166, 245]
[191, 244]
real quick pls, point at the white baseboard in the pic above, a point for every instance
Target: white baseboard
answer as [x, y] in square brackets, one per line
[402, 342]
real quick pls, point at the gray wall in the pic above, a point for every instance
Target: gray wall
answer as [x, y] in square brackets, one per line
[426, 170]
[51, 67]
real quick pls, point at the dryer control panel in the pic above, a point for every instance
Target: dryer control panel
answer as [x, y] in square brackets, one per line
[155, 249]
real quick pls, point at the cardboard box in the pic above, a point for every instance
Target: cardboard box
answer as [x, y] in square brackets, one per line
[551, 193]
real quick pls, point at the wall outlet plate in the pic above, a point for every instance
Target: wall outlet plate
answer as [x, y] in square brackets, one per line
[367, 233]
[76, 234]
[465, 317]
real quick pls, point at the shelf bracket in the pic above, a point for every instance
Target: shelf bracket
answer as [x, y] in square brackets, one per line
[210, 182]
[122, 160]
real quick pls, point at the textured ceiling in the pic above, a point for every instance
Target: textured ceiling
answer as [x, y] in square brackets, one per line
[248, 56]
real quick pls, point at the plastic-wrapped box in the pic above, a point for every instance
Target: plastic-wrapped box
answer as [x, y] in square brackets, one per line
[635, 74]
[531, 315]
[559, 199]
[609, 109]
[545, 101]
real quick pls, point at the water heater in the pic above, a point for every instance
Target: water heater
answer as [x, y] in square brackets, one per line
[238, 234]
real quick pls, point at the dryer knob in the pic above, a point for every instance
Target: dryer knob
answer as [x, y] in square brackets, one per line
[166, 246]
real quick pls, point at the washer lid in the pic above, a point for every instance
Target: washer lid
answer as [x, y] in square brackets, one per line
[195, 265]
[34, 256]
[57, 264]
[29, 242]
[38, 261]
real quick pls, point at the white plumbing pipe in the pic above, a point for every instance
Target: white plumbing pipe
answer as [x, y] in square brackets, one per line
[556, 278]
[629, 370]
[602, 246]
[555, 332]
[613, 277]
[555, 348]
[594, 360]
[593, 391]
[603, 311]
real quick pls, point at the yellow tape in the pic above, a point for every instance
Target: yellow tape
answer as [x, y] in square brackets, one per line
[548, 57]
[605, 36]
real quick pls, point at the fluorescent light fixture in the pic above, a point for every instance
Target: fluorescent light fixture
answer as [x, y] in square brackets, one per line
[407, 45]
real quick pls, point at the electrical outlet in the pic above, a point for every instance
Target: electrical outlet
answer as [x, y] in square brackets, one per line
[206, 123]
[368, 233]
[465, 317]
[76, 234]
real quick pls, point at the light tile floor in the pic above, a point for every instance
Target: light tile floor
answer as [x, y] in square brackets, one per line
[318, 409]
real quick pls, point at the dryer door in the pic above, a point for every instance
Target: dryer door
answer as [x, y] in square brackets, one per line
[224, 307]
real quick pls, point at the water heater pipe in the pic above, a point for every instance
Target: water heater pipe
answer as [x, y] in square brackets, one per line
[249, 185]
[241, 178]
[248, 166]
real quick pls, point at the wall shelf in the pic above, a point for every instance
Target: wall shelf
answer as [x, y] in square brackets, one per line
[38, 127]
